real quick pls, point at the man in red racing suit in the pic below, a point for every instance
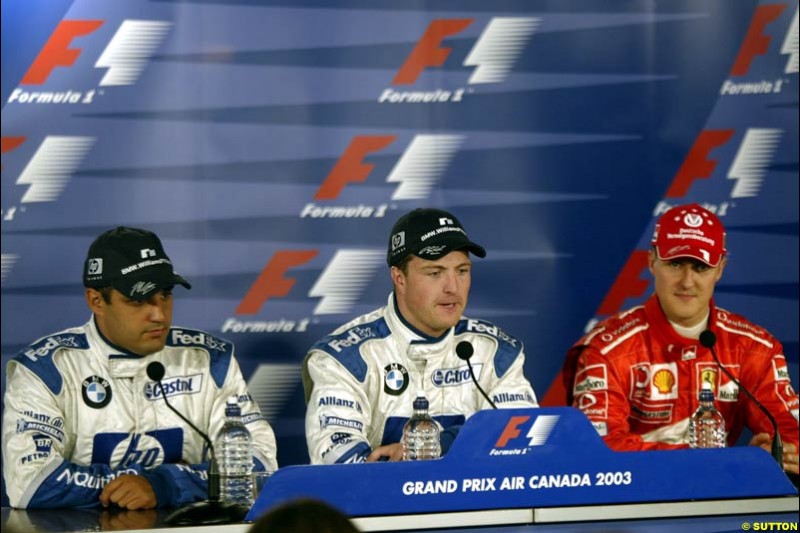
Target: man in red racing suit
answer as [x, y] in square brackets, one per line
[638, 373]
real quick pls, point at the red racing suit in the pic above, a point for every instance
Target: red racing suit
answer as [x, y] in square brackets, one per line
[638, 381]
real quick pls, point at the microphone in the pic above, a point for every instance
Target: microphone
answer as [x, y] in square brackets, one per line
[464, 351]
[708, 339]
[212, 510]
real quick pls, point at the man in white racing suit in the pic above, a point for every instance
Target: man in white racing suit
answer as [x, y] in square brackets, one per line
[361, 380]
[84, 425]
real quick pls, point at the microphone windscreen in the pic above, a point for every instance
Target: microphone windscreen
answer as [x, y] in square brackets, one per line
[464, 350]
[155, 371]
[708, 339]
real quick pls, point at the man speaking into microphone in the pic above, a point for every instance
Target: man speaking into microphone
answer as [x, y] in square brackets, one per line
[361, 380]
[638, 374]
[85, 426]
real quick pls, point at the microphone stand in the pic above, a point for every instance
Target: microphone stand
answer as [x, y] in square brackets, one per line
[708, 339]
[464, 351]
[212, 510]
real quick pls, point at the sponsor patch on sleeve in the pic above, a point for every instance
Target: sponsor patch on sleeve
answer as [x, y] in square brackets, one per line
[591, 378]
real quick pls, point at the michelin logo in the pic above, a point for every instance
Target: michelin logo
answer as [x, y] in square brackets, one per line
[325, 421]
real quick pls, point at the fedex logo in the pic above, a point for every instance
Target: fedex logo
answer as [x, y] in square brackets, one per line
[125, 57]
[339, 287]
[536, 435]
[748, 169]
[492, 56]
[51, 167]
[417, 171]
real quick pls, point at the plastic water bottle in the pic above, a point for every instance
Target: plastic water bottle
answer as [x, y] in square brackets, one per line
[234, 451]
[421, 434]
[707, 427]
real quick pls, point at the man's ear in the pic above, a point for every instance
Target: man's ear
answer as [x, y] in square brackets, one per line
[95, 301]
[398, 278]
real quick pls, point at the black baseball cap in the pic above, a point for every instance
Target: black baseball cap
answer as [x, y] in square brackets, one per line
[430, 234]
[132, 261]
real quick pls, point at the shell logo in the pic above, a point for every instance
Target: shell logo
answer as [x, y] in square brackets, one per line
[664, 381]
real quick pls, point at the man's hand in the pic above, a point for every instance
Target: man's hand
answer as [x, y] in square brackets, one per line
[394, 452]
[790, 457]
[129, 491]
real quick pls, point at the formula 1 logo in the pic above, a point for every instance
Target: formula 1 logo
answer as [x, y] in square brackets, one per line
[8, 262]
[125, 57]
[510, 442]
[48, 172]
[492, 56]
[748, 169]
[339, 287]
[757, 43]
[417, 171]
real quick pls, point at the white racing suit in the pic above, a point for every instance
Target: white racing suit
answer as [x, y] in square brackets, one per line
[79, 412]
[360, 382]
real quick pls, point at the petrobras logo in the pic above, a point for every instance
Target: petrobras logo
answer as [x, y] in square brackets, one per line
[765, 40]
[336, 290]
[174, 387]
[418, 169]
[747, 171]
[49, 170]
[511, 440]
[492, 57]
[124, 59]
[453, 377]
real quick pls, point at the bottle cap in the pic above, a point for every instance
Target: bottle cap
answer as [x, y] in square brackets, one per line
[420, 403]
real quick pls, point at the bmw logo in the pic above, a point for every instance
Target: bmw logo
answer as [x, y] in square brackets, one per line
[96, 392]
[395, 379]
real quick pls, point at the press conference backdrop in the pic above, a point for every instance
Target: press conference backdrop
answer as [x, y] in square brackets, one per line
[272, 144]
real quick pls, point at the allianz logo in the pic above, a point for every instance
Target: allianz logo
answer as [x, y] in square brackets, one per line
[174, 386]
[451, 377]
